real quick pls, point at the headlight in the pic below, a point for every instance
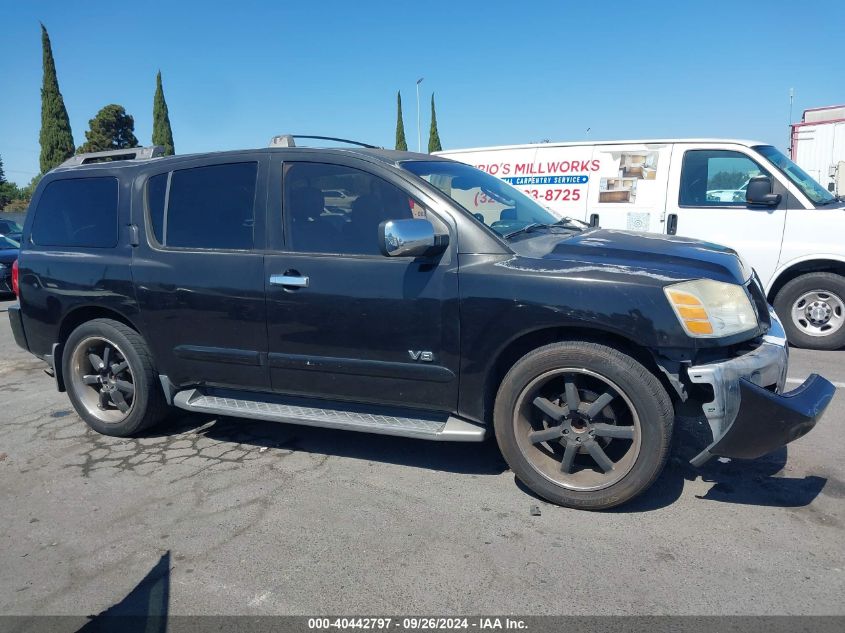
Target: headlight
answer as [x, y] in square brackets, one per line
[710, 309]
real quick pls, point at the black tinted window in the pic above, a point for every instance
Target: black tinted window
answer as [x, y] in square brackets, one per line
[211, 207]
[77, 212]
[336, 209]
[156, 192]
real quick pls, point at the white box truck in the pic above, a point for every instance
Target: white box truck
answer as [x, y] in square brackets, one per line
[743, 194]
[818, 146]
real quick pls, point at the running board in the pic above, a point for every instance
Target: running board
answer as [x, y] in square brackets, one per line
[334, 415]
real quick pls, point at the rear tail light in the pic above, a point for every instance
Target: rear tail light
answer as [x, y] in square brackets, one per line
[15, 286]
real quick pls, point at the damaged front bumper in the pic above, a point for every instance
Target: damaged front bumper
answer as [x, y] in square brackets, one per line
[750, 415]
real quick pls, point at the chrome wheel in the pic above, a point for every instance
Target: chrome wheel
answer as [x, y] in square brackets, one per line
[577, 429]
[102, 379]
[818, 313]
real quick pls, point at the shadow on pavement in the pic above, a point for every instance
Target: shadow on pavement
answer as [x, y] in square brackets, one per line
[143, 610]
[477, 458]
[744, 482]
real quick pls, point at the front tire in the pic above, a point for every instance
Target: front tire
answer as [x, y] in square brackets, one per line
[812, 310]
[583, 425]
[110, 378]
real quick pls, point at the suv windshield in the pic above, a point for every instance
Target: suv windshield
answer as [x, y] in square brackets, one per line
[492, 201]
[809, 187]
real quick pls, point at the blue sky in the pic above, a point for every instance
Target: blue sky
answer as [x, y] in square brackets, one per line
[503, 72]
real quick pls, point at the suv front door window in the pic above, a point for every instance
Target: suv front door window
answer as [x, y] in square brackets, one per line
[322, 220]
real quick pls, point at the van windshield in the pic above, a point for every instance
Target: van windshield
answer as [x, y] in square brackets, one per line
[490, 200]
[800, 178]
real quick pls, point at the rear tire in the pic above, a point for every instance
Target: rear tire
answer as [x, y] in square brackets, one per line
[812, 310]
[618, 447]
[111, 379]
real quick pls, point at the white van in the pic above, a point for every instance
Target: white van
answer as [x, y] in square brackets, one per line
[743, 194]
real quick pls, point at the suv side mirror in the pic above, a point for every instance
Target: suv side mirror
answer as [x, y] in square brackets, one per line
[410, 238]
[759, 191]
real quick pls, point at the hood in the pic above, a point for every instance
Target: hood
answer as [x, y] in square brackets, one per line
[669, 256]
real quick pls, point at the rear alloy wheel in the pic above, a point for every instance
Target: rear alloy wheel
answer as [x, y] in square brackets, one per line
[812, 309]
[583, 425]
[102, 380]
[110, 379]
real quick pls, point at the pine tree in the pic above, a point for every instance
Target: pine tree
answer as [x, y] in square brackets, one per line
[162, 134]
[112, 128]
[433, 134]
[56, 138]
[2, 173]
[401, 144]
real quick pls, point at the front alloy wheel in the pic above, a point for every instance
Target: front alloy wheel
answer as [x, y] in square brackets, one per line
[583, 425]
[577, 429]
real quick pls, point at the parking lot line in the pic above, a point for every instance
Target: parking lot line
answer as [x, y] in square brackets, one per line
[798, 381]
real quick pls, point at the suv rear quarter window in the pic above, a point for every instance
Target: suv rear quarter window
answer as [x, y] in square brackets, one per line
[77, 212]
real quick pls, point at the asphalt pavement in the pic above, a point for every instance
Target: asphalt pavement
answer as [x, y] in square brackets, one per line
[244, 517]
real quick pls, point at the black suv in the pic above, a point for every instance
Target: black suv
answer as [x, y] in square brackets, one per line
[225, 283]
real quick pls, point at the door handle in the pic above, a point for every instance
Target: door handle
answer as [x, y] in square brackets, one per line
[291, 279]
[672, 224]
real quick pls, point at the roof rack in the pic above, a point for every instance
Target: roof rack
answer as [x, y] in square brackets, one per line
[130, 153]
[287, 140]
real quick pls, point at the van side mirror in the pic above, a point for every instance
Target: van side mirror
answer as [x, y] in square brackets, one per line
[410, 238]
[759, 191]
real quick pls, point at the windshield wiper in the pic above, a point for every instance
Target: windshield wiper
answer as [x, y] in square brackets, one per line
[527, 229]
[563, 223]
[571, 222]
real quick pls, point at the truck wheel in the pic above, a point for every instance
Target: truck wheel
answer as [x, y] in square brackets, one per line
[110, 378]
[583, 425]
[812, 309]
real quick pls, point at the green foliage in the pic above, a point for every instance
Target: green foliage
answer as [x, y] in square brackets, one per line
[18, 205]
[8, 190]
[727, 180]
[433, 134]
[111, 129]
[401, 143]
[162, 134]
[56, 138]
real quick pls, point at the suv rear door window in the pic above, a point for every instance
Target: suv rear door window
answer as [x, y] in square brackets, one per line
[206, 207]
[337, 209]
[77, 212]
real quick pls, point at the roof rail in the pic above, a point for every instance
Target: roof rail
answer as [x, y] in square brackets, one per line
[287, 140]
[129, 153]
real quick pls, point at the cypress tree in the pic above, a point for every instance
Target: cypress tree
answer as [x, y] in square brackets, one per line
[112, 128]
[433, 134]
[401, 144]
[7, 189]
[162, 134]
[56, 138]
